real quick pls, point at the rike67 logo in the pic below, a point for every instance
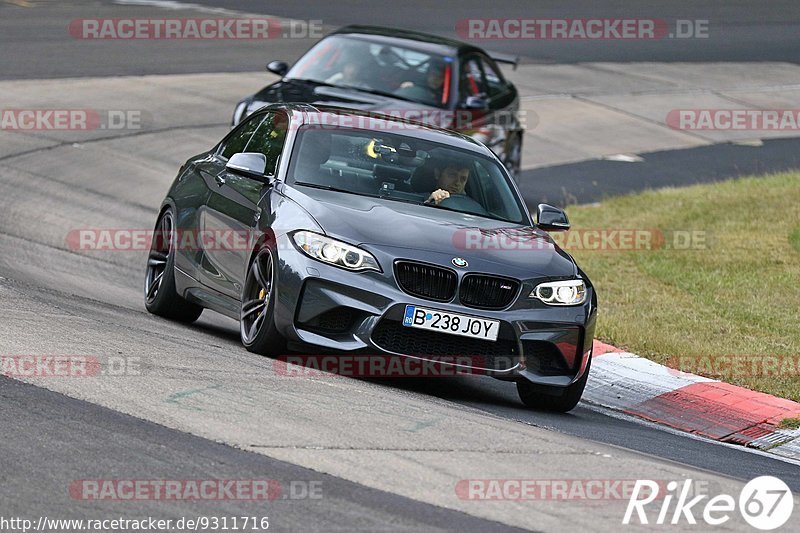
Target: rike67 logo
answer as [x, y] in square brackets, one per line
[766, 503]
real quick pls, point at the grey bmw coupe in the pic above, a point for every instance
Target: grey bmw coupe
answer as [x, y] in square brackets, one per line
[334, 231]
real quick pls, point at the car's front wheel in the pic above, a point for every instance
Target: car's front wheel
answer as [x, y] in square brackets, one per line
[160, 296]
[533, 396]
[257, 317]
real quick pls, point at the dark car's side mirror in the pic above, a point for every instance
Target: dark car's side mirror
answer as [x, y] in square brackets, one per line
[249, 164]
[278, 67]
[475, 102]
[551, 218]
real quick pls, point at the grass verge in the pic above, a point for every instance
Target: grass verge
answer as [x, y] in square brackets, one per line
[721, 293]
[790, 423]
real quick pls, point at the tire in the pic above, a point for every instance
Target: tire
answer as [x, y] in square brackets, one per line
[160, 296]
[533, 396]
[257, 315]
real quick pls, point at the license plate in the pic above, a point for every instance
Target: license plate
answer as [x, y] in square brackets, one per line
[453, 323]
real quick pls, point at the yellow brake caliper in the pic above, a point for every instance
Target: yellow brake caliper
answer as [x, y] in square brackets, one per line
[261, 295]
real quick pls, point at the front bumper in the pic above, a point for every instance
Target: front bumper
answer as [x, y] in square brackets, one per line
[323, 309]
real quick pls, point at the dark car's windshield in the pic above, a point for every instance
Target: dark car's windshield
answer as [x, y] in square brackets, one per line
[386, 69]
[402, 168]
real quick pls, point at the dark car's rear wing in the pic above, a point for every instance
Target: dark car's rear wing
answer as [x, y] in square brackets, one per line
[505, 58]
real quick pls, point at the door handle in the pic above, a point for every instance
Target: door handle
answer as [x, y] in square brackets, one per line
[219, 179]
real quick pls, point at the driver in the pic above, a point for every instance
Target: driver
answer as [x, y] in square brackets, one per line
[349, 75]
[451, 178]
[353, 65]
[431, 89]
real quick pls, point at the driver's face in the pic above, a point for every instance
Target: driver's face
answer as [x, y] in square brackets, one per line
[453, 179]
[435, 79]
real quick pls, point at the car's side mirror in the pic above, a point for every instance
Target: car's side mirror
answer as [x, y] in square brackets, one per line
[278, 67]
[475, 102]
[551, 218]
[249, 164]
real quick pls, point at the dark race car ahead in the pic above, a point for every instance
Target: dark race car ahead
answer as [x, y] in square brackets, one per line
[366, 235]
[438, 81]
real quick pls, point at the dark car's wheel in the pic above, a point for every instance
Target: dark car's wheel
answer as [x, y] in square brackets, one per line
[533, 396]
[160, 296]
[257, 319]
[513, 156]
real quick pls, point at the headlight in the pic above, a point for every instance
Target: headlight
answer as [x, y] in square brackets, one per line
[571, 292]
[334, 252]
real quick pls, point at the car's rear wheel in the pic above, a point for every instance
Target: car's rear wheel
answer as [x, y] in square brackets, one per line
[160, 296]
[536, 397]
[257, 317]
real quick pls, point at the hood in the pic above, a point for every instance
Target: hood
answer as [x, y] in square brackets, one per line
[418, 231]
[289, 90]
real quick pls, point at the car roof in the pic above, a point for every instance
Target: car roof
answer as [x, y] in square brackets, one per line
[333, 116]
[410, 38]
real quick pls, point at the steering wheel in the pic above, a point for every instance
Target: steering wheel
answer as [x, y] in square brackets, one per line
[465, 203]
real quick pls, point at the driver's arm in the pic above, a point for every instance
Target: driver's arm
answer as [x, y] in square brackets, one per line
[437, 196]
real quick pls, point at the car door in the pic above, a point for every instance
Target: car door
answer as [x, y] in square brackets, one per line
[232, 211]
[503, 103]
[483, 124]
[221, 219]
[471, 84]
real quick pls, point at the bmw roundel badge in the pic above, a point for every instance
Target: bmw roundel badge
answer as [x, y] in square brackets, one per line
[460, 262]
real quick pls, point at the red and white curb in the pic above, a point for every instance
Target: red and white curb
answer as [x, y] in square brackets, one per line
[639, 387]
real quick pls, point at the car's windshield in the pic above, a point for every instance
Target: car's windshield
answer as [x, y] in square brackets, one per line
[403, 168]
[387, 69]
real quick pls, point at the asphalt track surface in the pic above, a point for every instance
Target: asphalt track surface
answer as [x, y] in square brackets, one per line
[593, 181]
[36, 46]
[57, 301]
[738, 31]
[93, 441]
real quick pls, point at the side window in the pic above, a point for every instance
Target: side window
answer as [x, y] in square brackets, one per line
[498, 201]
[238, 139]
[471, 82]
[494, 81]
[269, 138]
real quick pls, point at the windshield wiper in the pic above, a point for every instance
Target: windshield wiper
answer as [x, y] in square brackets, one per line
[378, 92]
[487, 215]
[331, 188]
[367, 90]
[315, 82]
[396, 199]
